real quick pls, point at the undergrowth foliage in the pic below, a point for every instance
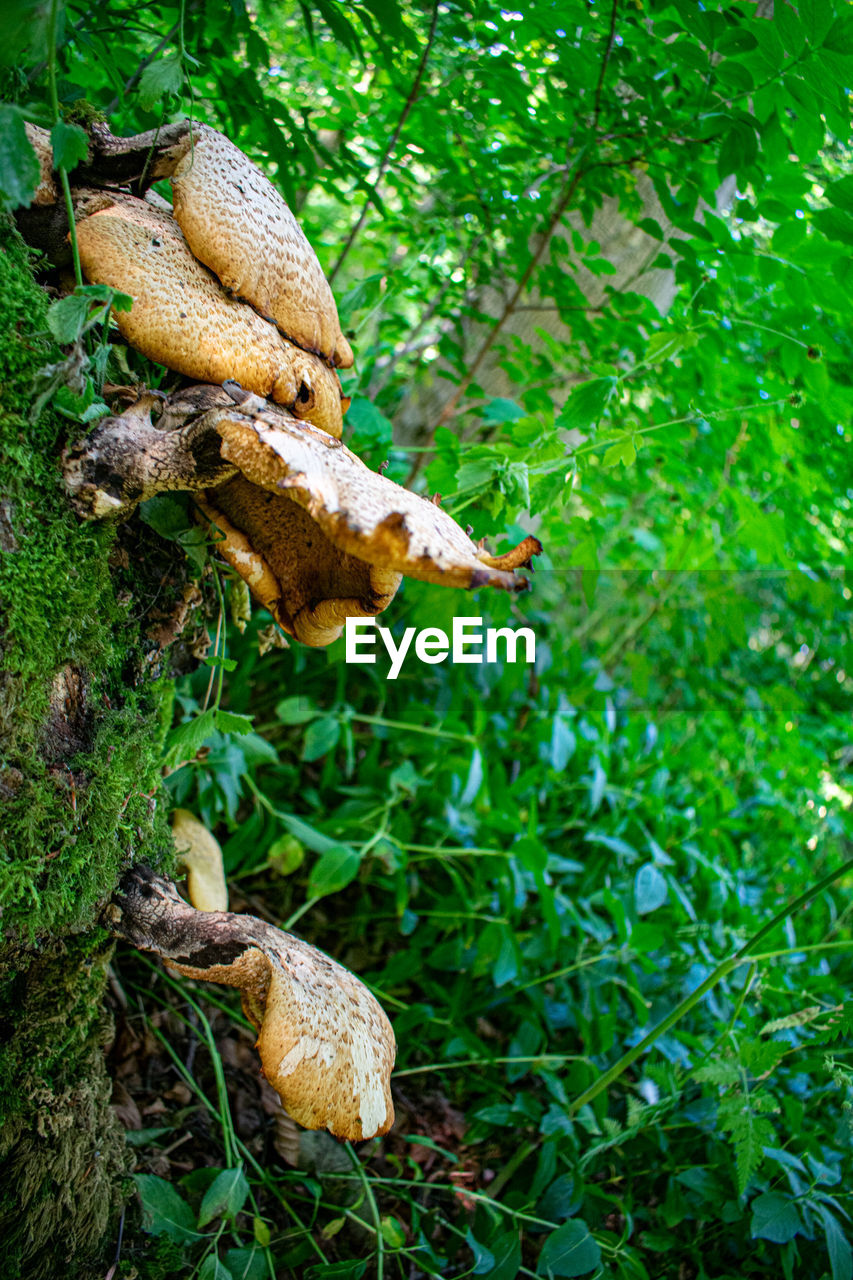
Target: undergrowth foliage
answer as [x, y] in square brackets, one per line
[605, 899]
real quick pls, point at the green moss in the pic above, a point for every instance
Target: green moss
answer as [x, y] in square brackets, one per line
[80, 721]
[81, 727]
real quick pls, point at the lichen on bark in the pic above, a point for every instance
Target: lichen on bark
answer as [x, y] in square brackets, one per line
[82, 719]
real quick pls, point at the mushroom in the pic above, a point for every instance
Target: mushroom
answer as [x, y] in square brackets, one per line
[317, 536]
[182, 317]
[237, 224]
[200, 856]
[361, 512]
[325, 1044]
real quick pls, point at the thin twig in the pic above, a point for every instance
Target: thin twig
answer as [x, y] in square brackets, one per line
[133, 80]
[389, 150]
[509, 309]
[610, 38]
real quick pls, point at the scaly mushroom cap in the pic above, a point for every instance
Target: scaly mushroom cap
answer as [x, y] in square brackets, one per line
[361, 513]
[237, 224]
[200, 856]
[182, 318]
[326, 1046]
[309, 585]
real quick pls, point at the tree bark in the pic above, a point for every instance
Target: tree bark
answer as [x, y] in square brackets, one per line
[83, 710]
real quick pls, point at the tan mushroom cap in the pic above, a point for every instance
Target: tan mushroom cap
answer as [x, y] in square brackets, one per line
[182, 318]
[360, 512]
[308, 584]
[237, 224]
[326, 1045]
[200, 856]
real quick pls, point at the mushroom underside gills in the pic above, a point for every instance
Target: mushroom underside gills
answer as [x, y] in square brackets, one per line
[292, 567]
[317, 536]
[325, 1044]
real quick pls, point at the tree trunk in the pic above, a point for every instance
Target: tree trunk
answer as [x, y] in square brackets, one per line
[83, 709]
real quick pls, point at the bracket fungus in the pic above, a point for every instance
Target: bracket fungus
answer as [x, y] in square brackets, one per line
[325, 1044]
[317, 536]
[182, 317]
[238, 225]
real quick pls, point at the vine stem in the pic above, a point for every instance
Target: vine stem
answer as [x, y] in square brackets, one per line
[374, 1210]
[62, 171]
[722, 970]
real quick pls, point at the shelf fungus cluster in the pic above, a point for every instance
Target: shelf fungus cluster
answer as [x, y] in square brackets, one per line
[228, 293]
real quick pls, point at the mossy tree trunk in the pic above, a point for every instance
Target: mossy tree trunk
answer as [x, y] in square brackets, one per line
[83, 710]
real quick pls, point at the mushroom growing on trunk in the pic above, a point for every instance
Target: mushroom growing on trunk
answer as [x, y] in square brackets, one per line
[325, 1044]
[317, 536]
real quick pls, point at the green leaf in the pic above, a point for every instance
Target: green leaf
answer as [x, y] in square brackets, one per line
[738, 150]
[164, 1211]
[220, 663]
[19, 166]
[347, 1270]
[230, 722]
[168, 515]
[320, 738]
[160, 78]
[587, 403]
[720, 1072]
[183, 742]
[393, 1231]
[569, 1251]
[333, 870]
[761, 1056]
[563, 743]
[225, 1196]
[26, 27]
[369, 426]
[751, 1133]
[66, 318]
[502, 410]
[836, 224]
[623, 451]
[650, 889]
[70, 145]
[838, 1246]
[295, 710]
[775, 1217]
[840, 193]
[248, 1263]
[286, 855]
[213, 1269]
[664, 345]
[532, 855]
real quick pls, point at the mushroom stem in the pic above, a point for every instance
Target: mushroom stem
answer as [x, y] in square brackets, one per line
[325, 1044]
[128, 459]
